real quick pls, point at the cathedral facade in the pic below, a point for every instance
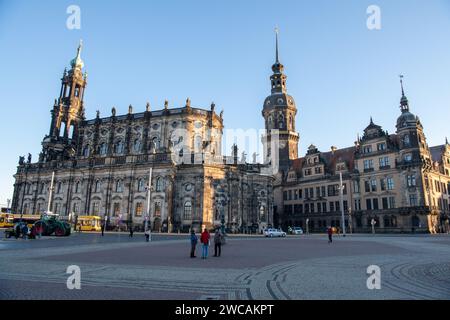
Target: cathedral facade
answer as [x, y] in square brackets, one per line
[162, 166]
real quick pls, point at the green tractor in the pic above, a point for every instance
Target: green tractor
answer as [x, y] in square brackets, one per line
[49, 224]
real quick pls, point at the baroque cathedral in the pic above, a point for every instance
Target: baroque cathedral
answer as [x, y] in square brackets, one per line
[161, 166]
[166, 166]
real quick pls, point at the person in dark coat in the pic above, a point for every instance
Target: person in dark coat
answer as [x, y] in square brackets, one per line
[330, 235]
[218, 239]
[204, 239]
[131, 231]
[194, 241]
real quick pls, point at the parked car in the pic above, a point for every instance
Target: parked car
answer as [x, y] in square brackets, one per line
[297, 230]
[274, 233]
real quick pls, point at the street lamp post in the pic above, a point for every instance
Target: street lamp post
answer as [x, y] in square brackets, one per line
[149, 187]
[341, 189]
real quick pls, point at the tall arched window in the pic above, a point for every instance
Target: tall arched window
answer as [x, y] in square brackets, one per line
[86, 151]
[262, 213]
[118, 147]
[98, 186]
[198, 143]
[159, 184]
[42, 191]
[119, 186]
[62, 129]
[77, 187]
[187, 213]
[137, 145]
[71, 130]
[141, 185]
[156, 143]
[103, 149]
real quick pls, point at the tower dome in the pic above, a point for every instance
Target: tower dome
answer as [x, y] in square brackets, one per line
[77, 63]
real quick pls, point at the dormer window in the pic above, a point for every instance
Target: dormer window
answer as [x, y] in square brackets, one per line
[318, 170]
[367, 149]
[381, 146]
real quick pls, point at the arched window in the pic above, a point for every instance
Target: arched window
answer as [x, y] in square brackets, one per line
[262, 213]
[71, 130]
[59, 187]
[139, 209]
[156, 143]
[119, 186]
[86, 151]
[141, 185]
[118, 147]
[137, 145]
[98, 186]
[406, 140]
[103, 149]
[159, 184]
[77, 187]
[62, 129]
[187, 213]
[198, 143]
[25, 208]
[42, 191]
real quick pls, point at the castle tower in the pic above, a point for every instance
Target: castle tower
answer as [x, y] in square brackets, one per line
[280, 140]
[412, 142]
[67, 113]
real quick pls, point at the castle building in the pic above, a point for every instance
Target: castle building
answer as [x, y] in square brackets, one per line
[395, 182]
[103, 166]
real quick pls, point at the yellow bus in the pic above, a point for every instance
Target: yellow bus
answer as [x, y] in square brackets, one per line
[6, 220]
[89, 223]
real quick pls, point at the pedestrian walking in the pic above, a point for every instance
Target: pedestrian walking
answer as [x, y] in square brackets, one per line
[103, 229]
[204, 239]
[194, 241]
[147, 235]
[131, 231]
[24, 231]
[330, 235]
[218, 239]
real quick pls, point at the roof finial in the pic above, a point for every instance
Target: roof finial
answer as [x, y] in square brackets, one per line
[77, 62]
[371, 120]
[446, 140]
[401, 84]
[276, 43]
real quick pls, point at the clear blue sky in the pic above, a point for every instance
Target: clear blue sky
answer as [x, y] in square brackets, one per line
[339, 72]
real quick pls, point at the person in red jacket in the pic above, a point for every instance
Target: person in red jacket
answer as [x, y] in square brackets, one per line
[330, 235]
[204, 239]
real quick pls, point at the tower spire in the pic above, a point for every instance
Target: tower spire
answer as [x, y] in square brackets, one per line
[404, 104]
[276, 44]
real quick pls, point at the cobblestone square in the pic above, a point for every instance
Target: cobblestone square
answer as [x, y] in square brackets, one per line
[250, 268]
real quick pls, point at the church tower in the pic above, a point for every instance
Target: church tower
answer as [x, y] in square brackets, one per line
[67, 113]
[280, 140]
